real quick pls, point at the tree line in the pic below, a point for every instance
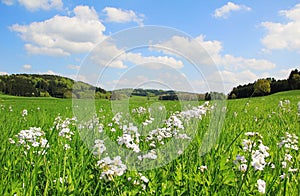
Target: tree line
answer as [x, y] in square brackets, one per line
[34, 85]
[266, 86]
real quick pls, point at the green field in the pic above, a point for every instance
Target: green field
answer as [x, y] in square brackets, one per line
[55, 160]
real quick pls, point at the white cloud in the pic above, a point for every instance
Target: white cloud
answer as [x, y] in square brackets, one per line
[284, 35]
[63, 35]
[27, 66]
[122, 16]
[224, 11]
[8, 2]
[3, 73]
[34, 5]
[232, 62]
[210, 53]
[283, 74]
[224, 81]
[110, 55]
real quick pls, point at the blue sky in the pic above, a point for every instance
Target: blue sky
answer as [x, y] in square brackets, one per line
[246, 40]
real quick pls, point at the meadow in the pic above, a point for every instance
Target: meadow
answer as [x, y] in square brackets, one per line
[44, 150]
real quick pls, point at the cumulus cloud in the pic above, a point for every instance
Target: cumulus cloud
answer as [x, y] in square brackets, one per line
[63, 35]
[27, 66]
[122, 16]
[34, 5]
[224, 11]
[108, 54]
[210, 53]
[284, 35]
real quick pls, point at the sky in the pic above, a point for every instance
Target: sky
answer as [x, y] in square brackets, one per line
[187, 45]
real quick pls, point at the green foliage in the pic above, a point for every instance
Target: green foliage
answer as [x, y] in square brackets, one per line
[244, 91]
[33, 85]
[262, 87]
[74, 171]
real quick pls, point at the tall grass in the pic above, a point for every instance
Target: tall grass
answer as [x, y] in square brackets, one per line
[70, 168]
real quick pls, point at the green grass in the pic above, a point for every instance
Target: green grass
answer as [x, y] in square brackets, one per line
[34, 174]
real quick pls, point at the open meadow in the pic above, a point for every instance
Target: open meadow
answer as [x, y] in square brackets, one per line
[44, 151]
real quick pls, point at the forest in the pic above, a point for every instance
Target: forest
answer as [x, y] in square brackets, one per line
[266, 86]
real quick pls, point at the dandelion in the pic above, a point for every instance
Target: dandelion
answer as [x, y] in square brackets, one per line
[261, 186]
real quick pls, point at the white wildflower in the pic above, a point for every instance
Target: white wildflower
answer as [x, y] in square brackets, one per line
[24, 113]
[261, 186]
[144, 179]
[203, 168]
[243, 167]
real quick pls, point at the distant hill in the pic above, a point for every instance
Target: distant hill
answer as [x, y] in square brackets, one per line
[161, 94]
[35, 85]
[273, 86]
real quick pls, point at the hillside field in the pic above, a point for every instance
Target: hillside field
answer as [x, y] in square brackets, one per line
[44, 151]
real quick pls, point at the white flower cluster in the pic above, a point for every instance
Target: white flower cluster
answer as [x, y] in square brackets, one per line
[32, 138]
[139, 110]
[289, 143]
[150, 155]
[130, 137]
[99, 147]
[258, 150]
[111, 168]
[284, 103]
[174, 125]
[63, 126]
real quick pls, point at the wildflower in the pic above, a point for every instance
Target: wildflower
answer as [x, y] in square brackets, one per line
[293, 170]
[247, 144]
[34, 137]
[111, 168]
[288, 157]
[282, 176]
[144, 179]
[24, 113]
[243, 167]
[235, 114]
[66, 147]
[99, 147]
[203, 168]
[258, 160]
[261, 186]
[283, 164]
[11, 141]
[240, 158]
